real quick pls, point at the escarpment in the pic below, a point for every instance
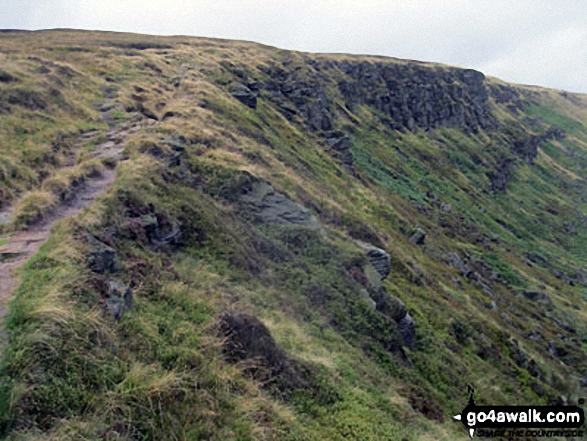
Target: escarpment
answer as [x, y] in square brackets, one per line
[292, 246]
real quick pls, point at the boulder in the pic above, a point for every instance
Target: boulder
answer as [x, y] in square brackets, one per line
[418, 237]
[407, 331]
[101, 258]
[537, 296]
[266, 205]
[244, 94]
[379, 259]
[455, 261]
[365, 295]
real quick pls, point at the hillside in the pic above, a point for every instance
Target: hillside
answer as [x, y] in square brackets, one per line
[224, 240]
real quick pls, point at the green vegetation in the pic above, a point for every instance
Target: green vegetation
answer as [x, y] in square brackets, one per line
[134, 349]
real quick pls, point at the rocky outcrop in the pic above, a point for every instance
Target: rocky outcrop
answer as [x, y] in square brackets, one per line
[537, 296]
[101, 258]
[526, 146]
[379, 259]
[418, 237]
[510, 96]
[407, 331]
[295, 94]
[119, 299]
[261, 202]
[339, 146]
[454, 260]
[418, 97]
[500, 175]
[244, 94]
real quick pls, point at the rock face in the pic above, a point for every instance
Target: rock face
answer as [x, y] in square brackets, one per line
[244, 94]
[296, 95]
[266, 205]
[526, 146]
[394, 308]
[416, 97]
[410, 96]
[380, 260]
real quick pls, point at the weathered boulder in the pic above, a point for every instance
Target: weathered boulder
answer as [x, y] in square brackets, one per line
[390, 305]
[365, 295]
[418, 237]
[101, 258]
[537, 296]
[244, 94]
[266, 205]
[407, 331]
[379, 259]
[119, 299]
[455, 261]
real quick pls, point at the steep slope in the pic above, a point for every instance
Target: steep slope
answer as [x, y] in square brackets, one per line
[296, 246]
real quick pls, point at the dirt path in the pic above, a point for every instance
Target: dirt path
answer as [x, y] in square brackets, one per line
[22, 245]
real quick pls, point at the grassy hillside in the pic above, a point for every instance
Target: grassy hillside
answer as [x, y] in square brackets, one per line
[233, 284]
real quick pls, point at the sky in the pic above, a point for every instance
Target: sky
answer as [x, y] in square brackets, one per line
[541, 42]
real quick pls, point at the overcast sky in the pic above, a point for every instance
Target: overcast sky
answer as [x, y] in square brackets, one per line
[540, 42]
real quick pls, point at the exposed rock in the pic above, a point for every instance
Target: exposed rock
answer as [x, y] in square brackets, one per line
[418, 237]
[537, 296]
[266, 205]
[507, 95]
[102, 259]
[244, 94]
[119, 299]
[293, 95]
[407, 330]
[501, 175]
[526, 146]
[446, 207]
[395, 309]
[390, 305]
[365, 295]
[379, 259]
[340, 147]
[413, 96]
[455, 261]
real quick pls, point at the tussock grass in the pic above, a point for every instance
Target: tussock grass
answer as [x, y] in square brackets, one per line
[32, 207]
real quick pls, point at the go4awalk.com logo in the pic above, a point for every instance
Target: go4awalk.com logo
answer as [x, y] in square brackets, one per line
[521, 421]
